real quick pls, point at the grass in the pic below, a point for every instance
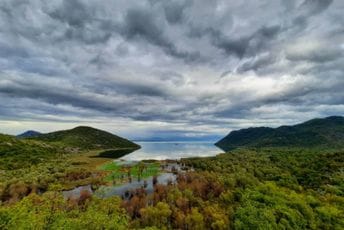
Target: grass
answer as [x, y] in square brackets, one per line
[110, 166]
[89, 160]
[119, 172]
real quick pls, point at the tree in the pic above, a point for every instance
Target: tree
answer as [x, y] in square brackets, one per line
[195, 220]
[158, 216]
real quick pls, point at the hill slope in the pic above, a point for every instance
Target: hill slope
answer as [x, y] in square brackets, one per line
[18, 153]
[326, 132]
[86, 138]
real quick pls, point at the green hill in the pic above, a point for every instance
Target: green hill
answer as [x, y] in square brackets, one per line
[86, 138]
[325, 132]
[21, 152]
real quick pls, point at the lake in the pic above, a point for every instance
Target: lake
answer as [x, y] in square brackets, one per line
[172, 150]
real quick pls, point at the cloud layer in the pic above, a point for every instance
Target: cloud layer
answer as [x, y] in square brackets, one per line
[187, 68]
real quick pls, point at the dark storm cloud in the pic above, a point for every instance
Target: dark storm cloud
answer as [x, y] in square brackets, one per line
[182, 65]
[83, 22]
[54, 95]
[174, 11]
[251, 44]
[140, 23]
[73, 12]
[313, 7]
[138, 89]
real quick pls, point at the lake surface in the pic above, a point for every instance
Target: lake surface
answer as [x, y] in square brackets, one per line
[172, 150]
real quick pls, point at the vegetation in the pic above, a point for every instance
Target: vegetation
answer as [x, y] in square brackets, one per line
[286, 187]
[15, 153]
[52, 211]
[118, 172]
[326, 133]
[270, 188]
[34, 165]
[273, 188]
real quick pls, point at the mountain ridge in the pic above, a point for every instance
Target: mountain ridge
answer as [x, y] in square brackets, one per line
[29, 133]
[316, 132]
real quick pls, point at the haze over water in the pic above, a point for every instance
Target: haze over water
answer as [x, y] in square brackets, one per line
[172, 150]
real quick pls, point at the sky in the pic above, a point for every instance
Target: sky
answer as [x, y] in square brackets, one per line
[177, 69]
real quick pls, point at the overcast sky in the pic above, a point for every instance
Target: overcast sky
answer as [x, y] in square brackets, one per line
[177, 68]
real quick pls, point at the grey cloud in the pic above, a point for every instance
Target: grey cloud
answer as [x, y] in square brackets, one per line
[250, 44]
[83, 22]
[319, 55]
[139, 89]
[104, 101]
[73, 12]
[237, 47]
[8, 51]
[140, 23]
[308, 9]
[89, 37]
[313, 7]
[174, 11]
[150, 61]
[308, 94]
[257, 63]
[54, 95]
[33, 110]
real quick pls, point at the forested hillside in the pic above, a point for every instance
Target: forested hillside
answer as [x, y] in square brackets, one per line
[327, 132]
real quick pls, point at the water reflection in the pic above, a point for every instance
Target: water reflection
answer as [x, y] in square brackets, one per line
[147, 184]
[172, 150]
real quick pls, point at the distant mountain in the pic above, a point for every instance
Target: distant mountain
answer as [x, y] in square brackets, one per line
[86, 138]
[29, 133]
[325, 132]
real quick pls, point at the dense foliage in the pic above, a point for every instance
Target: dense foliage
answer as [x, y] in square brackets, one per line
[52, 211]
[15, 153]
[281, 188]
[327, 132]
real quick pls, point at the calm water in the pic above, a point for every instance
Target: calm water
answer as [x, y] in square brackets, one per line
[172, 150]
[108, 191]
